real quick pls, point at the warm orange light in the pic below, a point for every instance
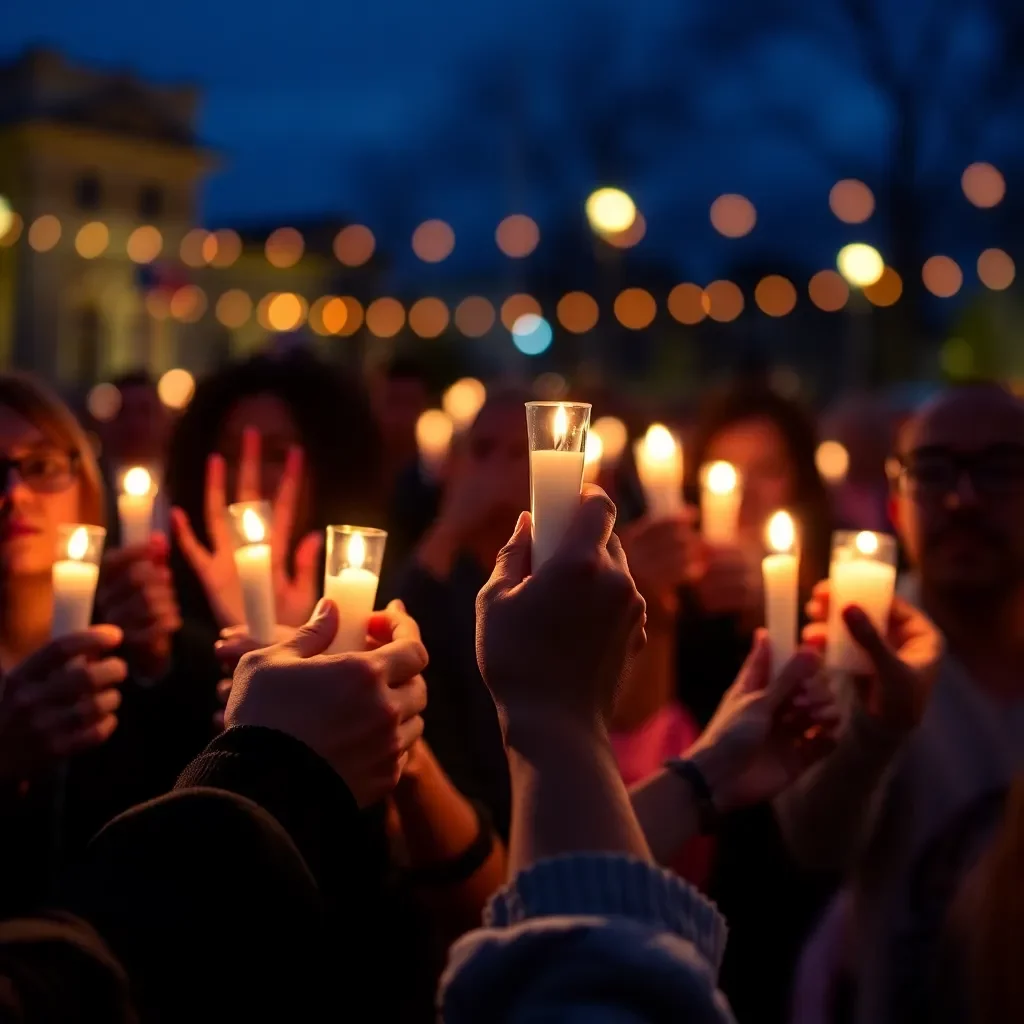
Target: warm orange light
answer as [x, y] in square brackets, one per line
[635, 308]
[144, 244]
[103, 402]
[685, 305]
[517, 236]
[328, 315]
[92, 240]
[983, 185]
[516, 306]
[385, 317]
[433, 241]
[286, 311]
[227, 247]
[353, 316]
[887, 290]
[577, 312]
[474, 316]
[633, 235]
[284, 248]
[176, 388]
[158, 305]
[610, 211]
[723, 301]
[354, 245]
[428, 317]
[188, 304]
[191, 250]
[851, 201]
[733, 215]
[828, 291]
[44, 232]
[775, 295]
[233, 308]
[12, 232]
[996, 269]
[942, 276]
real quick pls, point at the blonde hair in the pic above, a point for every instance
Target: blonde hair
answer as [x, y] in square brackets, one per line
[31, 399]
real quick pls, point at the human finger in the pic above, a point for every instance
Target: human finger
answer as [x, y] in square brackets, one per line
[803, 666]
[85, 738]
[393, 623]
[285, 503]
[87, 710]
[409, 698]
[249, 466]
[68, 684]
[399, 661]
[591, 524]
[88, 643]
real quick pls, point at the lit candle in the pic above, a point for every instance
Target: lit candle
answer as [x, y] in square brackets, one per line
[720, 497]
[354, 556]
[612, 432]
[592, 456]
[558, 432]
[862, 573]
[780, 570]
[659, 465]
[463, 400]
[255, 572]
[434, 431]
[74, 577]
[135, 506]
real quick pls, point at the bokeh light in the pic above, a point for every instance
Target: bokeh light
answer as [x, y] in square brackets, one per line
[614, 436]
[722, 301]
[996, 269]
[385, 317]
[775, 295]
[158, 304]
[233, 308]
[286, 312]
[516, 306]
[828, 291]
[176, 388]
[13, 230]
[635, 308]
[327, 315]
[188, 304]
[474, 316]
[92, 240]
[354, 245]
[577, 312]
[956, 357]
[887, 290]
[832, 461]
[192, 246]
[851, 201]
[44, 233]
[284, 248]
[983, 185]
[428, 317]
[144, 244]
[860, 264]
[610, 210]
[103, 402]
[226, 247]
[531, 334]
[462, 401]
[942, 276]
[733, 215]
[685, 303]
[517, 236]
[6, 216]
[433, 241]
[353, 316]
[633, 235]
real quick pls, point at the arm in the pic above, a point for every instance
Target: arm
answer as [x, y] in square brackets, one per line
[665, 807]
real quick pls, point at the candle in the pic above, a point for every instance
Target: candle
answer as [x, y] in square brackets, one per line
[255, 572]
[135, 506]
[612, 432]
[720, 498]
[592, 455]
[558, 432]
[862, 573]
[659, 465]
[74, 577]
[434, 431]
[463, 400]
[780, 570]
[350, 581]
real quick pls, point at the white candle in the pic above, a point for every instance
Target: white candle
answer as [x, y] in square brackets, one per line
[256, 576]
[781, 589]
[354, 591]
[555, 480]
[592, 457]
[434, 431]
[720, 498]
[857, 577]
[74, 587]
[135, 507]
[659, 465]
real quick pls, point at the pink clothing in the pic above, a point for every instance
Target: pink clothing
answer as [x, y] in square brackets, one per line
[642, 752]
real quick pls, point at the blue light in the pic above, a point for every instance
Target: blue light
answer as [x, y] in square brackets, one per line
[531, 334]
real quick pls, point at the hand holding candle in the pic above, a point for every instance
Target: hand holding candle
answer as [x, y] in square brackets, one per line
[250, 520]
[659, 465]
[135, 506]
[558, 436]
[721, 495]
[75, 574]
[781, 589]
[354, 557]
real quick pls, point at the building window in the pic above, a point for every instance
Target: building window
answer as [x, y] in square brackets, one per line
[88, 192]
[151, 202]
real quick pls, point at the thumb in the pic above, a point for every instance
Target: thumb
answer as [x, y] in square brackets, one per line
[512, 565]
[798, 670]
[863, 631]
[756, 671]
[307, 557]
[316, 635]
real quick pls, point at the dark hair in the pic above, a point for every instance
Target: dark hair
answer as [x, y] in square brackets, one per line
[755, 400]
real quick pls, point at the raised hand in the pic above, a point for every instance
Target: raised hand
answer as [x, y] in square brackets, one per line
[215, 565]
[60, 701]
[136, 593]
[360, 711]
[905, 661]
[727, 580]
[662, 555]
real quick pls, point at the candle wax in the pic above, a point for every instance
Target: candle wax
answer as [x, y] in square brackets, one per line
[354, 592]
[135, 512]
[254, 573]
[555, 479]
[74, 588]
[781, 599]
[719, 515]
[870, 586]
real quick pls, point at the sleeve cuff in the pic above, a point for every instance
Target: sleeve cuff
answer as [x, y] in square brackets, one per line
[611, 885]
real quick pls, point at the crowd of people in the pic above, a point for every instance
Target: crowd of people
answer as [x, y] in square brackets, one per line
[589, 792]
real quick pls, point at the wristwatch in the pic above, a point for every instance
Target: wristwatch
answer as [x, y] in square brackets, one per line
[707, 813]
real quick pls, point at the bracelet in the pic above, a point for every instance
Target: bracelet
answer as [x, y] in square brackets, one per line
[461, 868]
[707, 813]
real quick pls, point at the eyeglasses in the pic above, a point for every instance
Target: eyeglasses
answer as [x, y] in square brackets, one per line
[47, 471]
[996, 471]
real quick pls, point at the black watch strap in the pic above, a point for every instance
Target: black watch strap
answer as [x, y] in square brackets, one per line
[707, 813]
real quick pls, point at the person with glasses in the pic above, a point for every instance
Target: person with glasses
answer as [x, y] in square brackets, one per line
[932, 734]
[65, 764]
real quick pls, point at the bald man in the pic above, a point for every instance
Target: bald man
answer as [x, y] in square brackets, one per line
[906, 803]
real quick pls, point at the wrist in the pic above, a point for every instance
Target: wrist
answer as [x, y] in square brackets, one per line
[531, 728]
[713, 764]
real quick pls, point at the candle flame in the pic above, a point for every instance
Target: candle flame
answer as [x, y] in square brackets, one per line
[252, 526]
[659, 444]
[721, 478]
[594, 450]
[356, 551]
[137, 482]
[781, 532]
[866, 542]
[78, 544]
[560, 427]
